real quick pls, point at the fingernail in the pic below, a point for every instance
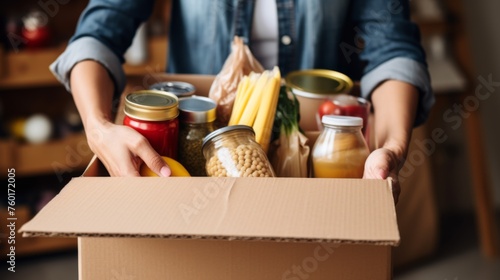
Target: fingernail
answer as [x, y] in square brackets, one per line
[165, 171]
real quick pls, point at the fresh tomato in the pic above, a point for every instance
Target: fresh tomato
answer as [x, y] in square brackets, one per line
[329, 108]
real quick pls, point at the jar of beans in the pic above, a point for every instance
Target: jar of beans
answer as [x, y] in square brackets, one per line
[231, 151]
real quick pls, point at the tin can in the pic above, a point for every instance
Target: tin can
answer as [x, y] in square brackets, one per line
[197, 116]
[154, 114]
[179, 89]
[318, 83]
[312, 87]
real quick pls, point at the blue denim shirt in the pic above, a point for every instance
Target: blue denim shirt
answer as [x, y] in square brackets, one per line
[370, 40]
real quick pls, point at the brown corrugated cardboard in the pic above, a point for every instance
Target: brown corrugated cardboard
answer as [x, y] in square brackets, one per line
[263, 226]
[207, 228]
[278, 209]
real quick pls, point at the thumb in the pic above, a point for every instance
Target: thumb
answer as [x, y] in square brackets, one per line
[153, 160]
[378, 165]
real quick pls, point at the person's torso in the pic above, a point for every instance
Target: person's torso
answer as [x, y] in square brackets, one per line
[309, 33]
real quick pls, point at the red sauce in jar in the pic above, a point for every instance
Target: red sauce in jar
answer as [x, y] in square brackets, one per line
[154, 115]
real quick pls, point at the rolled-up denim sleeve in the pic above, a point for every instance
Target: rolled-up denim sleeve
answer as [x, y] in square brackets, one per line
[405, 70]
[104, 32]
[88, 48]
[392, 49]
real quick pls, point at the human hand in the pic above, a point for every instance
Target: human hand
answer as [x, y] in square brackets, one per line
[122, 149]
[381, 164]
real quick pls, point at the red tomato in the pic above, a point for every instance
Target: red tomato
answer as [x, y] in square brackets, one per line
[328, 108]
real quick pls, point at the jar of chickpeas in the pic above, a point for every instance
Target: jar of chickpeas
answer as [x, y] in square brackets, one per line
[231, 151]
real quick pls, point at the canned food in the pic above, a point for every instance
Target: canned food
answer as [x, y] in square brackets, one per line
[312, 87]
[179, 89]
[196, 117]
[318, 83]
[154, 114]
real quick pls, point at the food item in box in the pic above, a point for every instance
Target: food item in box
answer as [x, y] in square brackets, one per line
[232, 152]
[289, 152]
[346, 105]
[197, 116]
[341, 150]
[256, 102]
[175, 167]
[239, 63]
[154, 114]
[179, 89]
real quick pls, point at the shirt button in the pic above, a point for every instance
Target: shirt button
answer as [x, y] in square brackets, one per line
[286, 40]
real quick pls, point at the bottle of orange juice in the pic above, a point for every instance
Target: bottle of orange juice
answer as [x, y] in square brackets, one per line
[341, 149]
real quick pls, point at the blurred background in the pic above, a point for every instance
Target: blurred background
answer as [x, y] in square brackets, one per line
[451, 183]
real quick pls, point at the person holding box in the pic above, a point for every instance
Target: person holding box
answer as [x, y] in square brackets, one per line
[370, 40]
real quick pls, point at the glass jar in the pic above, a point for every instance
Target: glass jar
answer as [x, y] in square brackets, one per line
[341, 150]
[196, 117]
[231, 151]
[154, 115]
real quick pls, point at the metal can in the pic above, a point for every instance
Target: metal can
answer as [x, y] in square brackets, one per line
[232, 151]
[318, 83]
[312, 87]
[154, 114]
[179, 89]
[196, 117]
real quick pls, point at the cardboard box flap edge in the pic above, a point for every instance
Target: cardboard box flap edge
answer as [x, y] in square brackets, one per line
[271, 209]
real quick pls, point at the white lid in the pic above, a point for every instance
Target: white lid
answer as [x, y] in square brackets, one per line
[342, 120]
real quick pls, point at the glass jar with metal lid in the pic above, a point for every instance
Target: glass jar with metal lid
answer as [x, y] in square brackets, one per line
[341, 150]
[232, 151]
[196, 117]
[154, 115]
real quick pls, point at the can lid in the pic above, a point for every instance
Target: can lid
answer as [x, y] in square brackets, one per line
[179, 89]
[342, 120]
[197, 109]
[151, 105]
[318, 83]
[226, 129]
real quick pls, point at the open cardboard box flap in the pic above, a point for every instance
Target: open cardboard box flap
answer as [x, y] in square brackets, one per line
[278, 209]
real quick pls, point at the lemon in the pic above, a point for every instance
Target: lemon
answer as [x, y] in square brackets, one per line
[177, 169]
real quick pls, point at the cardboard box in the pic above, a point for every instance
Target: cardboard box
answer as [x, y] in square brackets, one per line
[224, 228]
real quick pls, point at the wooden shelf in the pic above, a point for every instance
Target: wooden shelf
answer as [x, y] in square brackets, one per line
[65, 155]
[30, 68]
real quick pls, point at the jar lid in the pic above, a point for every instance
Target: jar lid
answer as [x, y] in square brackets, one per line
[318, 83]
[179, 89]
[342, 120]
[151, 105]
[197, 109]
[226, 129]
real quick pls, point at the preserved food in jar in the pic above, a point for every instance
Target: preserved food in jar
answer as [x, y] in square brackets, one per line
[154, 115]
[196, 117]
[341, 150]
[232, 152]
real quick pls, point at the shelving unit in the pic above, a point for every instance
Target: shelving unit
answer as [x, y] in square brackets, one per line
[27, 86]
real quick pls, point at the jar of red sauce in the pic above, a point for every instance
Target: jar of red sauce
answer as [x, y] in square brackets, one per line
[153, 114]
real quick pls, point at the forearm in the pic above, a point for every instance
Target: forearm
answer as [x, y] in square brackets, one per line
[92, 90]
[395, 105]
